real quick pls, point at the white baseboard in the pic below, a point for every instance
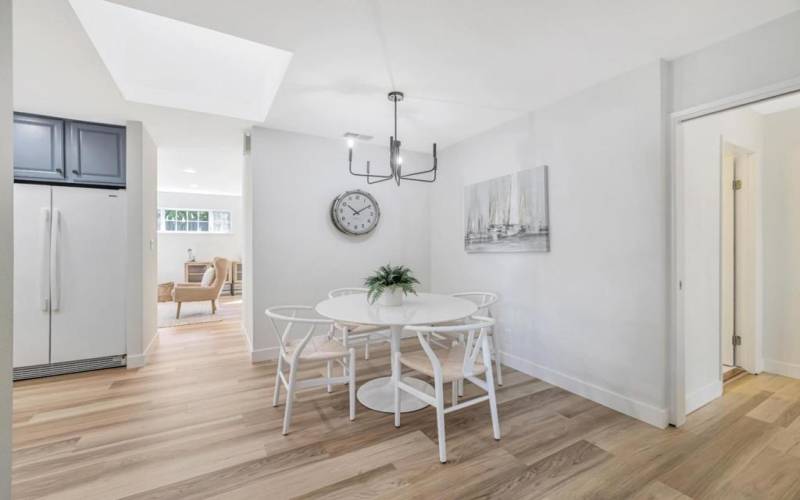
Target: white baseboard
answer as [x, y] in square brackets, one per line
[645, 412]
[703, 396]
[782, 368]
[266, 354]
[139, 360]
[259, 355]
[135, 361]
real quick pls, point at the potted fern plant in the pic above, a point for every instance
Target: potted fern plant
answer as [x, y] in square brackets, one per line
[389, 284]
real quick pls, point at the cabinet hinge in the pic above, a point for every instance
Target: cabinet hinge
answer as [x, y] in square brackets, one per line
[737, 340]
[737, 185]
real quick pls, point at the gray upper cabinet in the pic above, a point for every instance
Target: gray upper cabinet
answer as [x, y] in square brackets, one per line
[58, 151]
[38, 148]
[96, 153]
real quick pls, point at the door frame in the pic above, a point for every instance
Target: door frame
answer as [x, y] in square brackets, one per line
[676, 366]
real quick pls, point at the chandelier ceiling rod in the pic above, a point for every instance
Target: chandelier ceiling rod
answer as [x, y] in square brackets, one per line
[395, 160]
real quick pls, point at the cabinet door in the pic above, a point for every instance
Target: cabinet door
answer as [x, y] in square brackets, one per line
[96, 154]
[38, 148]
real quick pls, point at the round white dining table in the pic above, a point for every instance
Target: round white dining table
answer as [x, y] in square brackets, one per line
[420, 309]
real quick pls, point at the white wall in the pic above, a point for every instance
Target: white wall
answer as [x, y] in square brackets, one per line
[781, 209]
[172, 246]
[298, 255]
[767, 55]
[142, 291]
[6, 246]
[590, 315]
[700, 144]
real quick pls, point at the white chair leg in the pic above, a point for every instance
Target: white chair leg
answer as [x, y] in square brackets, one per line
[366, 349]
[492, 397]
[351, 365]
[278, 382]
[396, 381]
[344, 343]
[461, 381]
[497, 361]
[455, 392]
[440, 421]
[287, 415]
[329, 374]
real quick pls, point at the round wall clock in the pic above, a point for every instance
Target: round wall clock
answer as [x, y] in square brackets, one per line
[355, 212]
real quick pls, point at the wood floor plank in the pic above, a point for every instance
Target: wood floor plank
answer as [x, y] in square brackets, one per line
[721, 458]
[659, 491]
[537, 479]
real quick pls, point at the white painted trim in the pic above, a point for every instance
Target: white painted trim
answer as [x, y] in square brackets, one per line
[703, 396]
[676, 371]
[247, 339]
[782, 368]
[266, 354]
[139, 360]
[645, 412]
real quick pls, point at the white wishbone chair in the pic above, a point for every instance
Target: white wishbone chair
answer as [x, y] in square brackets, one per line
[312, 347]
[354, 333]
[462, 361]
[485, 301]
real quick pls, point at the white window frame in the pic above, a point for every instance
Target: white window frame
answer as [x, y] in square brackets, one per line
[162, 226]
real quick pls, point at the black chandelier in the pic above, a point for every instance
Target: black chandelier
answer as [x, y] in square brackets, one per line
[395, 160]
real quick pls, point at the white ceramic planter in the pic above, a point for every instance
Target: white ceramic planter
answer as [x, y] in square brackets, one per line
[391, 297]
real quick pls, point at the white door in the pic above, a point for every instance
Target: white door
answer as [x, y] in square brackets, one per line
[727, 263]
[31, 275]
[87, 273]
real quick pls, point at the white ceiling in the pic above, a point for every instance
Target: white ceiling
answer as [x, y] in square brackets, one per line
[465, 65]
[158, 60]
[200, 170]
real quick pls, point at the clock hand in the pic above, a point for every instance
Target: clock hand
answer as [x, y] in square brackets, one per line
[368, 206]
[351, 208]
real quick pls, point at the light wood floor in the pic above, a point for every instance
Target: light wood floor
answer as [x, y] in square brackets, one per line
[197, 423]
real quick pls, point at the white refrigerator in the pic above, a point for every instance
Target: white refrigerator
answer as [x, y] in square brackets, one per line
[69, 279]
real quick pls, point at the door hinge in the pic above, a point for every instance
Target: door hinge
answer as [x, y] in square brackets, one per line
[737, 185]
[737, 340]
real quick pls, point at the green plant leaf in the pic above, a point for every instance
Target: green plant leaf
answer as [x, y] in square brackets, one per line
[388, 276]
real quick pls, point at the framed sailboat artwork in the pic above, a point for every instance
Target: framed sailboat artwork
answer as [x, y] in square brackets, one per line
[508, 213]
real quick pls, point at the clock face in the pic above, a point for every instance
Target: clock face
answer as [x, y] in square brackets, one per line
[355, 212]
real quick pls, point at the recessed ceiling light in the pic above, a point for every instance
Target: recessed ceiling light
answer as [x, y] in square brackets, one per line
[194, 186]
[190, 170]
[162, 61]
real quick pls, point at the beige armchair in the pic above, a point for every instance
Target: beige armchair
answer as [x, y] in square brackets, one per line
[195, 292]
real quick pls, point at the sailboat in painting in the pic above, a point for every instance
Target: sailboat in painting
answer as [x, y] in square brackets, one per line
[515, 210]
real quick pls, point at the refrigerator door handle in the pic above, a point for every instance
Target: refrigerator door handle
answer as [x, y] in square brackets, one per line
[55, 271]
[44, 276]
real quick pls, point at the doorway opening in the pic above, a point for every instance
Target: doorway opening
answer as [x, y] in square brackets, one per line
[200, 235]
[737, 259]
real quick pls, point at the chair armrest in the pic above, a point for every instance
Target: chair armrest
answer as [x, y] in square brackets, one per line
[187, 285]
[193, 293]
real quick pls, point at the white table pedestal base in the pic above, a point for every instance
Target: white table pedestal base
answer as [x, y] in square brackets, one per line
[378, 395]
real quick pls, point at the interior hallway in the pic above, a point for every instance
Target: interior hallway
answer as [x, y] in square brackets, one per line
[197, 422]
